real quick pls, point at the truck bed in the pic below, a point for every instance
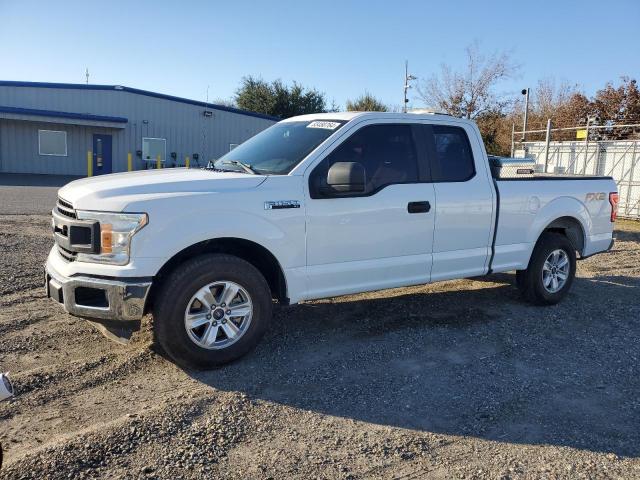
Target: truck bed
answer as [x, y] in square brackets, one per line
[552, 176]
[526, 206]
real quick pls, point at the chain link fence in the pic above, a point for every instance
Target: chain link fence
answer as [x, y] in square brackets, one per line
[619, 159]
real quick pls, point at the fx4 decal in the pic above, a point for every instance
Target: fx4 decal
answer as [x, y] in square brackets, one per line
[592, 197]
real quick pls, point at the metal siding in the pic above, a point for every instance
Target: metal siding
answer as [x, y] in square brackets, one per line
[181, 124]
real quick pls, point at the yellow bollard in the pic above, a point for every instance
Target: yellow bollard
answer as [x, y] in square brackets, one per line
[129, 162]
[89, 164]
[158, 164]
[186, 161]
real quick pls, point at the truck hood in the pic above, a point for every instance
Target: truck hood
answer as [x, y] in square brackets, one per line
[114, 192]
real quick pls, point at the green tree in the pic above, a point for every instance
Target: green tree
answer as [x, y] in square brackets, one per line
[278, 99]
[366, 103]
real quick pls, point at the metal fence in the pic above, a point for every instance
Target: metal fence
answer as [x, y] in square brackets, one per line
[619, 159]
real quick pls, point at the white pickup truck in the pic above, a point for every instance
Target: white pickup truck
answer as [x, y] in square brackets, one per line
[315, 206]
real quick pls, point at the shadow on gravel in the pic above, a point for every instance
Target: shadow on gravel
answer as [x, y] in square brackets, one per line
[33, 180]
[476, 362]
[22, 194]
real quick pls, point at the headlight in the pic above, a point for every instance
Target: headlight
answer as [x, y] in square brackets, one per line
[116, 231]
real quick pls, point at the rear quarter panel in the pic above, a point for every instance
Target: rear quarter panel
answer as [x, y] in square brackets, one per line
[528, 207]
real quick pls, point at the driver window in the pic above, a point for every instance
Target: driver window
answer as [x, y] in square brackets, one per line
[387, 152]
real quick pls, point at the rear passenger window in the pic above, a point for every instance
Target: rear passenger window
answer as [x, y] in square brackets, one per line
[387, 152]
[454, 160]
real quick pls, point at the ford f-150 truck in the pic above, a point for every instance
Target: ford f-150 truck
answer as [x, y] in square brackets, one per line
[314, 206]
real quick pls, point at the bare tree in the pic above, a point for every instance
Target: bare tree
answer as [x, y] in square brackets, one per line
[470, 93]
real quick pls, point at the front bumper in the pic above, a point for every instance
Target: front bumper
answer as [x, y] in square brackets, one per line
[98, 298]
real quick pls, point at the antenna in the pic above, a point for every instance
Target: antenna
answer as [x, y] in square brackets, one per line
[407, 79]
[207, 94]
[86, 74]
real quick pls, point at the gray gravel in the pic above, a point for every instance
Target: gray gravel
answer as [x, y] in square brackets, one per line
[453, 380]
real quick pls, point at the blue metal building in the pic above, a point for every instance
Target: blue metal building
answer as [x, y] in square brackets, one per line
[69, 129]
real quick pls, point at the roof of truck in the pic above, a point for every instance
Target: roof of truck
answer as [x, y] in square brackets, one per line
[347, 116]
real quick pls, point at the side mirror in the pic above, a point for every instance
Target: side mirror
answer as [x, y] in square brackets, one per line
[346, 177]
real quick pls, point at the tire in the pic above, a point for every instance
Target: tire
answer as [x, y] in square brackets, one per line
[537, 282]
[181, 300]
[520, 274]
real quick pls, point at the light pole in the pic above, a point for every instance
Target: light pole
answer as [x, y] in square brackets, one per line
[525, 92]
[407, 79]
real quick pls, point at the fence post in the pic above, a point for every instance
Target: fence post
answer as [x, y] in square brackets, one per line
[546, 148]
[89, 163]
[129, 162]
[630, 186]
[513, 130]
[586, 147]
[186, 161]
[158, 164]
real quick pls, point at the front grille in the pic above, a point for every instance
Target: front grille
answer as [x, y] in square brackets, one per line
[65, 208]
[68, 255]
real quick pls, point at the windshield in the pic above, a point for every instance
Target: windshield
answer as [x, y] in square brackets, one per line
[279, 148]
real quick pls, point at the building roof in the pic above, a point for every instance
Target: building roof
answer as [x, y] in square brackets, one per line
[69, 118]
[121, 88]
[56, 114]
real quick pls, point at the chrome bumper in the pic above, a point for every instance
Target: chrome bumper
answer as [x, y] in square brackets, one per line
[98, 298]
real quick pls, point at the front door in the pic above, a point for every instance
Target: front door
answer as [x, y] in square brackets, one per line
[380, 238]
[101, 154]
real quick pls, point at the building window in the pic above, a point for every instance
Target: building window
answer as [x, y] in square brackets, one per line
[152, 147]
[52, 142]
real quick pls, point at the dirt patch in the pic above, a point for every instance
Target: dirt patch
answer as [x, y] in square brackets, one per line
[458, 379]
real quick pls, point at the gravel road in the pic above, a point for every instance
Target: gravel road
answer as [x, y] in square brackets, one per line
[459, 379]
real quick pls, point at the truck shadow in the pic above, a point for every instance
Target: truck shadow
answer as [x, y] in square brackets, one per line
[468, 358]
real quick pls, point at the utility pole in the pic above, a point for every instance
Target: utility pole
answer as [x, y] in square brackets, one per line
[407, 79]
[525, 92]
[86, 74]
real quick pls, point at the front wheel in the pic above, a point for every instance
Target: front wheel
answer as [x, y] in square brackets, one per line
[551, 270]
[211, 310]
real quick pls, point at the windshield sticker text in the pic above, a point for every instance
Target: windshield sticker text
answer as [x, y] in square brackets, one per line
[325, 125]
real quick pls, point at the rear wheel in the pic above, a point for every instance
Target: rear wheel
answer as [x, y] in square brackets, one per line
[551, 270]
[211, 310]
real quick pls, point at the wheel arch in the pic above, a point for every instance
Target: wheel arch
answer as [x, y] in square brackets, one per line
[254, 253]
[571, 228]
[567, 225]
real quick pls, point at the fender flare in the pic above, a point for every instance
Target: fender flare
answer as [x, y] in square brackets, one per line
[560, 213]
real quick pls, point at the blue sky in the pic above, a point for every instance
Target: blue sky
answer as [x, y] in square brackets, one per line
[340, 47]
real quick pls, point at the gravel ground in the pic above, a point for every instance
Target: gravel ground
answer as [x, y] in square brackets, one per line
[459, 379]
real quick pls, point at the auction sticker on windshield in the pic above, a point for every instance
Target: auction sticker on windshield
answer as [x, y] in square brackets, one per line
[325, 125]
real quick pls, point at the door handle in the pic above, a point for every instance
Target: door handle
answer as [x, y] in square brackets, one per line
[418, 207]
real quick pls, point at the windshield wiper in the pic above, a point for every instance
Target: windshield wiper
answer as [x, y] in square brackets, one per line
[245, 166]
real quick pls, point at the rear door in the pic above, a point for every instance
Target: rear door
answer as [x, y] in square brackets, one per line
[380, 238]
[464, 202]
